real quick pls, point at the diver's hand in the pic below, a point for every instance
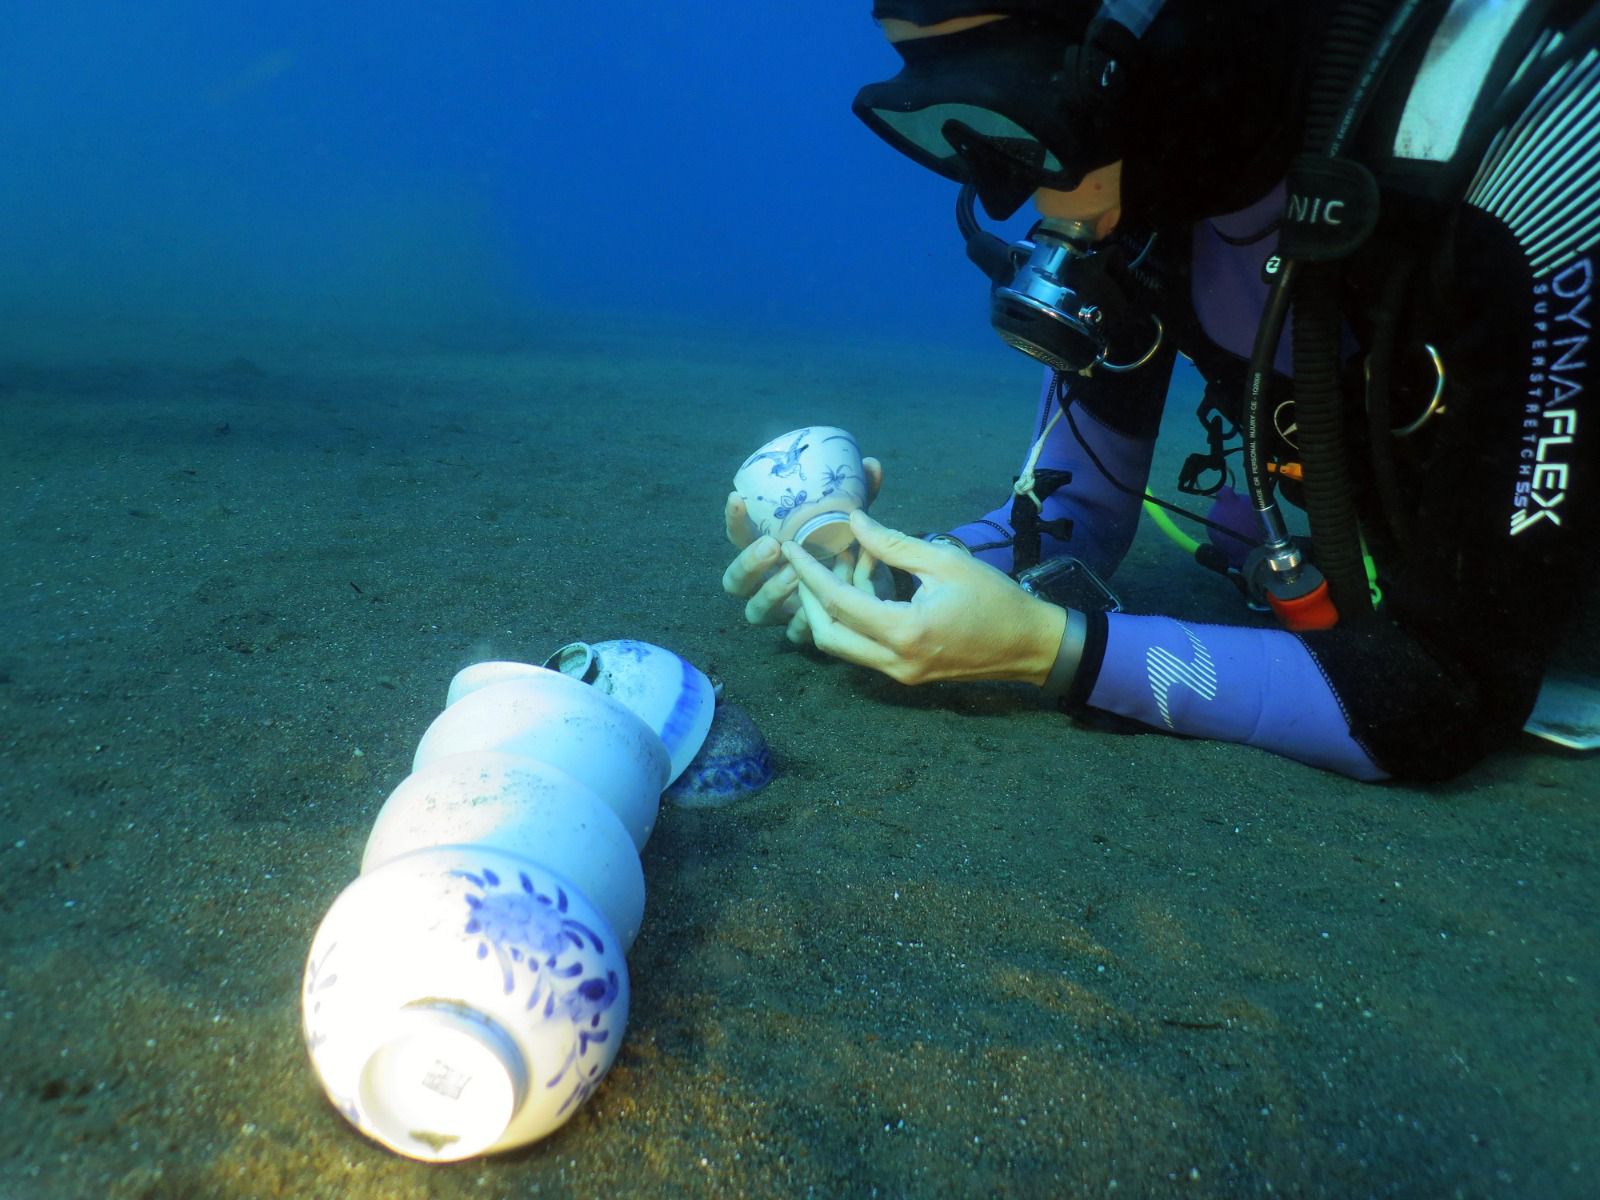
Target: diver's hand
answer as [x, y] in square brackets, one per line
[968, 620]
[777, 601]
[759, 576]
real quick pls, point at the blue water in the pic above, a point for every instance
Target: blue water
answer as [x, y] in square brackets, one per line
[469, 162]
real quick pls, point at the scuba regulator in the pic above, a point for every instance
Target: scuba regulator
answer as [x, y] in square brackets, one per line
[1059, 298]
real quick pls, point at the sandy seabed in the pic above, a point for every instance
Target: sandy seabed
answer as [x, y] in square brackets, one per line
[962, 946]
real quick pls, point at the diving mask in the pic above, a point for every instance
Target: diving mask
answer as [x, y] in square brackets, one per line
[1014, 105]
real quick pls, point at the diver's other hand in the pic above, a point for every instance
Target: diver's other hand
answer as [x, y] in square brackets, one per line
[776, 599]
[967, 620]
[759, 576]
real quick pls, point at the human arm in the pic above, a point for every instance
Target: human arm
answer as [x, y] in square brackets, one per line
[1116, 417]
[969, 621]
[1258, 687]
[1500, 558]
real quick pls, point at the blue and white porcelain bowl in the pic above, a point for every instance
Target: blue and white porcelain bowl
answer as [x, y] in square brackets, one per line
[462, 1000]
[803, 485]
[666, 691]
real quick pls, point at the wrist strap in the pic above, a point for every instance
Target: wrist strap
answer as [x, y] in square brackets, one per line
[1068, 655]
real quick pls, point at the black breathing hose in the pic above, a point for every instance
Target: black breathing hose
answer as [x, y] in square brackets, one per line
[1319, 427]
[1360, 44]
[1257, 380]
[989, 252]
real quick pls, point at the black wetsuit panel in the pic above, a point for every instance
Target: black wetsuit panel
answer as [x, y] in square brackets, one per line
[1502, 539]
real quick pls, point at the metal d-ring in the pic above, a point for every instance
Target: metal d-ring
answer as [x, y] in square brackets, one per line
[1435, 405]
[1161, 332]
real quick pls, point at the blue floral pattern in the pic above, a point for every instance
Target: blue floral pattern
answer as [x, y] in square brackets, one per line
[833, 479]
[538, 943]
[790, 501]
[734, 761]
[318, 980]
[786, 463]
[553, 962]
[638, 651]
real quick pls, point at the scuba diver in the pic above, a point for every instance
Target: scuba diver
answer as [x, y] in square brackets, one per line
[1371, 225]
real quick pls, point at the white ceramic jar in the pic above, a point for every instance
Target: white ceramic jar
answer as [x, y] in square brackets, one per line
[804, 485]
[468, 991]
[566, 723]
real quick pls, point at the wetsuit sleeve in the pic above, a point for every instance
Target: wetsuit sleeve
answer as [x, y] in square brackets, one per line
[1118, 416]
[1260, 687]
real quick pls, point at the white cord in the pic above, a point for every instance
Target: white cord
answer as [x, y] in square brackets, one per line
[1025, 482]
